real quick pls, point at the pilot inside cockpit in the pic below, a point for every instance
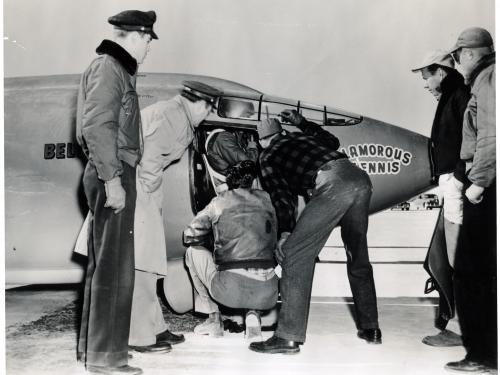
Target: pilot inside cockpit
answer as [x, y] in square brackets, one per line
[225, 148]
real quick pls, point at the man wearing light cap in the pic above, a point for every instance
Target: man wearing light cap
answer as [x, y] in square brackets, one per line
[447, 86]
[108, 130]
[475, 262]
[338, 193]
[168, 130]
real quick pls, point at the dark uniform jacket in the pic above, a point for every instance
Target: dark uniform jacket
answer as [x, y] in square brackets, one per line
[108, 117]
[446, 133]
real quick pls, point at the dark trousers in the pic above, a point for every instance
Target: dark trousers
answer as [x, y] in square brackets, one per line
[475, 279]
[341, 196]
[109, 281]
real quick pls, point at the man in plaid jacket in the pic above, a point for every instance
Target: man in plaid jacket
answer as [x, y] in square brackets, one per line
[307, 163]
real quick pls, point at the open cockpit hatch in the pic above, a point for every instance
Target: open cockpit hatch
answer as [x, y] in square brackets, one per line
[201, 184]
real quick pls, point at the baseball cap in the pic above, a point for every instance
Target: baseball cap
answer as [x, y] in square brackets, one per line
[268, 127]
[435, 57]
[473, 37]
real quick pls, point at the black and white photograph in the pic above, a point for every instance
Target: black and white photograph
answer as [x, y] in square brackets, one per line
[254, 187]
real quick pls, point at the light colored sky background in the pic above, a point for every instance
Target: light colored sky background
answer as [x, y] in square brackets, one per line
[351, 54]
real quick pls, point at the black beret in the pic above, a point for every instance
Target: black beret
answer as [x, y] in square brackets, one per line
[135, 20]
[200, 91]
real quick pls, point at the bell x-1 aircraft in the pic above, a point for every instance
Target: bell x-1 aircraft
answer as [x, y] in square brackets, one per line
[44, 200]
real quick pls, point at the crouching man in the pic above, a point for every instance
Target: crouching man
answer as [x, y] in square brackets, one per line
[239, 272]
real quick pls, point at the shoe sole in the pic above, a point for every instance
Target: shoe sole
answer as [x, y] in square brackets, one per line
[162, 351]
[277, 351]
[96, 370]
[171, 342]
[440, 345]
[477, 371]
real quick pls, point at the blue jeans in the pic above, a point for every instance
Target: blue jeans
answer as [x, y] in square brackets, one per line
[341, 197]
[109, 282]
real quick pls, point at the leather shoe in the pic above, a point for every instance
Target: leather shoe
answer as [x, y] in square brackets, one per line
[169, 338]
[154, 348]
[466, 365]
[443, 339]
[114, 370]
[275, 345]
[371, 335]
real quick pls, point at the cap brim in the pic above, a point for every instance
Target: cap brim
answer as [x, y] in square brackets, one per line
[153, 35]
[414, 70]
[454, 48]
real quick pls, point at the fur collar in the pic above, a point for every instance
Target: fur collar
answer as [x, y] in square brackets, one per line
[113, 49]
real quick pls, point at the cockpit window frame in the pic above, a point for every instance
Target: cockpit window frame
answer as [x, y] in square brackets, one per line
[329, 113]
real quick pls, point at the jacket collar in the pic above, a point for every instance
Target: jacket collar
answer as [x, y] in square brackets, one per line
[483, 63]
[188, 112]
[108, 47]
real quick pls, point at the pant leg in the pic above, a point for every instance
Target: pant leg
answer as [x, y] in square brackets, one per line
[475, 278]
[202, 270]
[82, 338]
[146, 320]
[453, 212]
[354, 226]
[331, 198]
[241, 292]
[110, 274]
[451, 233]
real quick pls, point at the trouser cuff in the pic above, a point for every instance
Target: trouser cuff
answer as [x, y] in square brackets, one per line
[111, 359]
[290, 337]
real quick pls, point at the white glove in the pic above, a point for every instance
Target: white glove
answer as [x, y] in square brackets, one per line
[115, 194]
[474, 193]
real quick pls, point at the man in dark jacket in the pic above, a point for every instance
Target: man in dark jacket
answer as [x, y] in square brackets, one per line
[448, 87]
[476, 258]
[108, 129]
[307, 163]
[240, 271]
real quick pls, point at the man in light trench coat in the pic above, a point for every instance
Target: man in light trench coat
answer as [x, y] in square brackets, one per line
[168, 130]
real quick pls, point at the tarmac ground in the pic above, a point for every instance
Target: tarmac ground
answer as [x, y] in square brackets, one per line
[42, 325]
